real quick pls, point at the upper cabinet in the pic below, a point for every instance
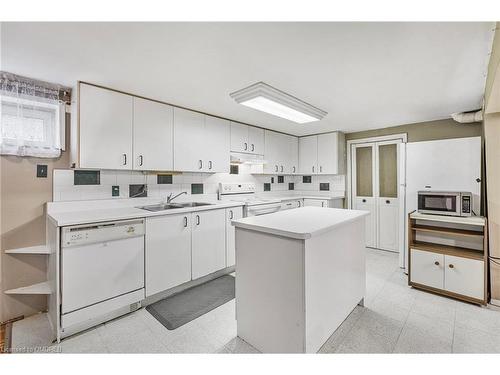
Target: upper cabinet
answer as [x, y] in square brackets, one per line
[201, 142]
[322, 154]
[281, 153]
[153, 135]
[105, 129]
[247, 139]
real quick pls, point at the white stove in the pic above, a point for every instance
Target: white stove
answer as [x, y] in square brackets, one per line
[245, 193]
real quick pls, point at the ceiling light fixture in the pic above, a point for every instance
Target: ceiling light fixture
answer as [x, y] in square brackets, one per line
[267, 99]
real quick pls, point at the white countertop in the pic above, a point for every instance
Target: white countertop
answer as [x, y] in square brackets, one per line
[96, 215]
[300, 223]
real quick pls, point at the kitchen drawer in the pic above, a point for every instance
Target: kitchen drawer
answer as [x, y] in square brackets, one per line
[464, 276]
[287, 205]
[427, 268]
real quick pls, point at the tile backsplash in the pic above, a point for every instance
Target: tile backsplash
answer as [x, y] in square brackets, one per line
[64, 188]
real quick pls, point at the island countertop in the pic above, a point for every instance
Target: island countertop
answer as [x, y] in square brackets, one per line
[300, 223]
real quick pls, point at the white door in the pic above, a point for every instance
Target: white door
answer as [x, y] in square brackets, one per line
[153, 135]
[255, 140]
[308, 154]
[328, 153]
[105, 128]
[216, 145]
[375, 188]
[363, 187]
[208, 242]
[239, 137]
[189, 140]
[168, 252]
[231, 214]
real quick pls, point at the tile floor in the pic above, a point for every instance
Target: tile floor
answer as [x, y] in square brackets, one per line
[395, 319]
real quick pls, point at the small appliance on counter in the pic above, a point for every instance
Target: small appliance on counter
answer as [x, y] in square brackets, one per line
[450, 203]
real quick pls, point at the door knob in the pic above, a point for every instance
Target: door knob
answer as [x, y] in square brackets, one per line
[387, 201]
[451, 266]
[436, 263]
[364, 201]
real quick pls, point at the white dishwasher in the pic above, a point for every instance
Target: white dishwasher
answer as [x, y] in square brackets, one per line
[102, 269]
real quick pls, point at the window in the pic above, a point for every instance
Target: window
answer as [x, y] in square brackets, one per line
[32, 118]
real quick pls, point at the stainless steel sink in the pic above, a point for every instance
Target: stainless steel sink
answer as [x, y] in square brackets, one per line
[172, 206]
[195, 204]
[161, 207]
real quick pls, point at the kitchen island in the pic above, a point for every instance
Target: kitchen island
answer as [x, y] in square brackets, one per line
[299, 274]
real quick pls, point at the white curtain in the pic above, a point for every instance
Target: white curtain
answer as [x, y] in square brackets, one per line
[32, 117]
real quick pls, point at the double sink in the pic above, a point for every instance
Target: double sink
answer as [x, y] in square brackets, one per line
[173, 206]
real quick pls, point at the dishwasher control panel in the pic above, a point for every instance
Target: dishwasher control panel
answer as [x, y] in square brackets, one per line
[101, 232]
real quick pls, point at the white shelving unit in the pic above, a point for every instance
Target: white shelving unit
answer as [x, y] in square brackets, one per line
[41, 249]
[39, 288]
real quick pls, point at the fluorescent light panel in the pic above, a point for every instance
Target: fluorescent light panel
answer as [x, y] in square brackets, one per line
[267, 99]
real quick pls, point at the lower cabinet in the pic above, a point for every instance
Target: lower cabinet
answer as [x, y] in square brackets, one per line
[316, 202]
[288, 205]
[208, 242]
[459, 275]
[231, 214]
[168, 252]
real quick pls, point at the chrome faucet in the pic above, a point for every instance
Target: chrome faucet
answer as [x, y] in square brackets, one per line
[170, 198]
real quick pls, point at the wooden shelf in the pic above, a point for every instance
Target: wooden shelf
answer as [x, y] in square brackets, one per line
[41, 249]
[40, 288]
[448, 231]
[465, 220]
[448, 250]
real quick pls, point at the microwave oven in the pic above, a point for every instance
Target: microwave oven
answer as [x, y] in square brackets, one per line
[451, 203]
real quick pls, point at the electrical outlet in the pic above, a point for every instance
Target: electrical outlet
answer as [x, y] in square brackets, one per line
[115, 191]
[41, 170]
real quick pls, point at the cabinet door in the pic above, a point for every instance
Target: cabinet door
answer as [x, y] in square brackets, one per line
[153, 135]
[427, 268]
[308, 155]
[388, 223]
[315, 202]
[188, 140]
[239, 137]
[209, 242]
[328, 153]
[216, 145]
[271, 153]
[105, 128]
[168, 252]
[256, 140]
[231, 214]
[293, 155]
[464, 276]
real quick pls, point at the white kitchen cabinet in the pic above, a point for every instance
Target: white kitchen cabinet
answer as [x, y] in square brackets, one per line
[247, 139]
[104, 129]
[308, 154]
[322, 154]
[464, 276]
[316, 202]
[280, 153]
[168, 252]
[427, 268]
[208, 242]
[189, 142]
[232, 213]
[293, 155]
[152, 135]
[216, 145]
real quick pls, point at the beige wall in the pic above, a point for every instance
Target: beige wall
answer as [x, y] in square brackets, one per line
[424, 131]
[22, 223]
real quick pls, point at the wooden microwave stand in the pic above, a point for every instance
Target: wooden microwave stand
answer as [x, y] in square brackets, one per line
[448, 255]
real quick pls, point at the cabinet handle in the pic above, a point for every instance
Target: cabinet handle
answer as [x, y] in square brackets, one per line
[436, 263]
[231, 215]
[276, 168]
[281, 168]
[298, 203]
[185, 221]
[321, 168]
[197, 219]
[246, 146]
[253, 147]
[201, 164]
[210, 164]
[451, 266]
[322, 204]
[124, 159]
[293, 169]
[141, 159]
[313, 168]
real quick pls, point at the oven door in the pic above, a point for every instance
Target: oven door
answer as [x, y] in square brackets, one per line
[262, 209]
[441, 203]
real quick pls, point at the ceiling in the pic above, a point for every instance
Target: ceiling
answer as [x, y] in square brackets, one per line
[365, 75]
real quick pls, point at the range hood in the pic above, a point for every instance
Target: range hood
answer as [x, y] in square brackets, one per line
[242, 158]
